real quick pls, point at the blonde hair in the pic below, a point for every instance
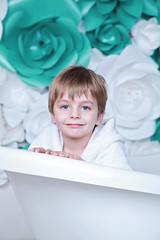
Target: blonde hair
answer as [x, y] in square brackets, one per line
[78, 80]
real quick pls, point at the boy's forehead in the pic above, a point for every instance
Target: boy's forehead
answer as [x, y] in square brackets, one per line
[78, 97]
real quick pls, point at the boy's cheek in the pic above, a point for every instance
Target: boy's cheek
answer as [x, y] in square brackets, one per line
[52, 118]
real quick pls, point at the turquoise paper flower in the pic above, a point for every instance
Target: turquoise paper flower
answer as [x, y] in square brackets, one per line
[110, 37]
[156, 136]
[41, 38]
[156, 56]
[95, 11]
[151, 8]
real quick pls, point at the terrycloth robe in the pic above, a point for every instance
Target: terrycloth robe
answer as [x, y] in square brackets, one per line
[105, 146]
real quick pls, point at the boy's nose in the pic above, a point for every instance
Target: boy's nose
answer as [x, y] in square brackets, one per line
[74, 113]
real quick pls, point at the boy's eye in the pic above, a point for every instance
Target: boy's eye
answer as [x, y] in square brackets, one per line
[64, 106]
[85, 108]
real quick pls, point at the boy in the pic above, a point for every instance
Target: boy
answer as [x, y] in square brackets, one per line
[77, 100]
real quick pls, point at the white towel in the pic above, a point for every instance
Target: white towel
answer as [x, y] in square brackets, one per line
[104, 147]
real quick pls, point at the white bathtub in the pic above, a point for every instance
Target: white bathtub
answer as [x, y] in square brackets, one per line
[66, 199]
[13, 224]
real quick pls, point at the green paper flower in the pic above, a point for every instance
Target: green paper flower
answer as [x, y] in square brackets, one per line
[110, 37]
[151, 9]
[41, 38]
[127, 11]
[156, 56]
[156, 136]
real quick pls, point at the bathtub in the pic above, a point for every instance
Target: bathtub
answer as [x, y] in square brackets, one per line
[13, 223]
[67, 199]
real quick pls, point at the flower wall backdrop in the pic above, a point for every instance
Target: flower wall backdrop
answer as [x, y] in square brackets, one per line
[119, 39]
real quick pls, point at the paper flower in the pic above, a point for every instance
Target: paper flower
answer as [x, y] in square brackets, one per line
[156, 136]
[151, 9]
[41, 39]
[3, 75]
[16, 98]
[110, 37]
[2, 130]
[3, 12]
[9, 135]
[146, 35]
[141, 147]
[96, 11]
[96, 58]
[156, 56]
[37, 118]
[134, 86]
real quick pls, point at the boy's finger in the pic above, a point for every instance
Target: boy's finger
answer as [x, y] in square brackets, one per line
[31, 149]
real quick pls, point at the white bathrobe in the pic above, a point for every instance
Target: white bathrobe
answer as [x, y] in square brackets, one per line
[105, 146]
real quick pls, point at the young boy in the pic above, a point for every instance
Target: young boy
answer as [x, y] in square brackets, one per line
[77, 100]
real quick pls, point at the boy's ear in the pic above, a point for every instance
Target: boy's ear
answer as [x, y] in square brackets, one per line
[52, 118]
[100, 118]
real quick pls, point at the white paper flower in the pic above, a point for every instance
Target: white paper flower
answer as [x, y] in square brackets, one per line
[10, 135]
[37, 119]
[134, 92]
[2, 126]
[146, 35]
[16, 98]
[96, 58]
[3, 12]
[3, 75]
[142, 147]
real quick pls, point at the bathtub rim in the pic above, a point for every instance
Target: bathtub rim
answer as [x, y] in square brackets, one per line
[37, 164]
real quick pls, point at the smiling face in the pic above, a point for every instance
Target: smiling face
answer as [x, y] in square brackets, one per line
[76, 118]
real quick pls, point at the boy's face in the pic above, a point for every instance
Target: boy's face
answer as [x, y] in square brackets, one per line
[76, 118]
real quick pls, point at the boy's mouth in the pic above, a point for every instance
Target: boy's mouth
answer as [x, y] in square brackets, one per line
[74, 125]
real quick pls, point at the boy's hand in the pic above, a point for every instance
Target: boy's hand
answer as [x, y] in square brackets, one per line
[41, 150]
[67, 155]
[38, 150]
[55, 153]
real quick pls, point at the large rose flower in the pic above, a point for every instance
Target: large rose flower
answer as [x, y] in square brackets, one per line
[110, 37]
[95, 11]
[37, 118]
[9, 135]
[16, 99]
[134, 86]
[42, 38]
[146, 35]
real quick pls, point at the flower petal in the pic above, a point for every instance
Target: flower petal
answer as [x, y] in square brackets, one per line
[13, 117]
[145, 130]
[3, 9]
[134, 86]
